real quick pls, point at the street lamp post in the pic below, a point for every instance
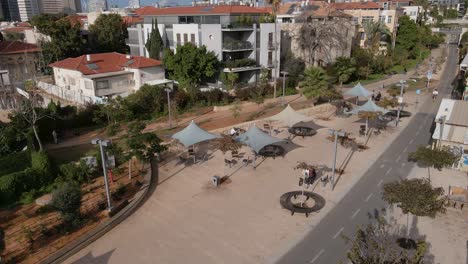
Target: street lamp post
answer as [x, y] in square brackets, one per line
[335, 133]
[284, 85]
[168, 91]
[441, 130]
[400, 101]
[102, 144]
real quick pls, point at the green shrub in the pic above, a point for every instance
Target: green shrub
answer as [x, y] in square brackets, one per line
[75, 172]
[120, 192]
[17, 161]
[67, 200]
[42, 164]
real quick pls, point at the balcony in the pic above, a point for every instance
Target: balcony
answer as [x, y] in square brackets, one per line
[240, 65]
[132, 41]
[237, 27]
[237, 45]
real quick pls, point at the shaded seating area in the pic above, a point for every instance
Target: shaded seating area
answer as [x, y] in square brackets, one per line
[304, 129]
[368, 107]
[358, 91]
[261, 143]
[192, 135]
[289, 117]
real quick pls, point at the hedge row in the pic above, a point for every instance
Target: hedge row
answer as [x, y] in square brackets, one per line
[14, 162]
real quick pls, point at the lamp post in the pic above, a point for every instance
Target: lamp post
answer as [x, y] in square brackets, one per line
[102, 144]
[335, 133]
[284, 84]
[168, 91]
[400, 101]
[441, 130]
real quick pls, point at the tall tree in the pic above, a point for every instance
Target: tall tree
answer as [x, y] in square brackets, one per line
[315, 82]
[415, 196]
[108, 33]
[376, 244]
[154, 44]
[190, 65]
[375, 33]
[436, 158]
[141, 144]
[295, 68]
[345, 68]
[275, 4]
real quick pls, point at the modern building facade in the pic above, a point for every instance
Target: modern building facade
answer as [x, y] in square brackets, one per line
[413, 12]
[10, 10]
[20, 59]
[60, 6]
[28, 9]
[106, 75]
[249, 46]
[97, 5]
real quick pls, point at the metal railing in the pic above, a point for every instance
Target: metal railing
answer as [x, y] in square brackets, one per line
[237, 45]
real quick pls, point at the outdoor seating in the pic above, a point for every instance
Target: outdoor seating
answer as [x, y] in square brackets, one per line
[271, 151]
[302, 131]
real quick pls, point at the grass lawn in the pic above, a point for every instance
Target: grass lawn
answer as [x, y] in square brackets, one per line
[372, 78]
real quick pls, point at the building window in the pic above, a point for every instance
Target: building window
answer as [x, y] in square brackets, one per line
[88, 85]
[71, 81]
[185, 38]
[270, 37]
[355, 20]
[102, 85]
[363, 35]
[389, 19]
[178, 39]
[192, 39]
[366, 19]
[382, 19]
[270, 58]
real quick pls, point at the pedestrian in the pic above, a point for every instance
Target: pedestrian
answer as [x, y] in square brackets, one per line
[378, 97]
[373, 95]
[461, 206]
[54, 136]
[435, 93]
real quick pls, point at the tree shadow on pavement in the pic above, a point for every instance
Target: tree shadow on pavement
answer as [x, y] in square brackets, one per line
[90, 259]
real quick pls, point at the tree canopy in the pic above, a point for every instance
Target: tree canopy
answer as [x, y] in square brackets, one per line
[344, 68]
[437, 158]
[190, 65]
[108, 34]
[415, 196]
[154, 44]
[141, 144]
[315, 82]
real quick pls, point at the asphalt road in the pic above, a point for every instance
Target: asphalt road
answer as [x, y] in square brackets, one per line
[324, 243]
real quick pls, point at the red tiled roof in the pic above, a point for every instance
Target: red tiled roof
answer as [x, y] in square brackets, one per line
[396, 1]
[75, 19]
[314, 9]
[14, 47]
[188, 10]
[356, 5]
[104, 63]
[15, 29]
[130, 20]
[144, 10]
[23, 24]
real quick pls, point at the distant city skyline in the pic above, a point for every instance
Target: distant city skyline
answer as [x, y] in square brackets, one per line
[124, 3]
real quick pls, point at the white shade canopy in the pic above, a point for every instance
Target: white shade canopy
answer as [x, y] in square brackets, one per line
[257, 139]
[193, 134]
[358, 91]
[290, 117]
[369, 106]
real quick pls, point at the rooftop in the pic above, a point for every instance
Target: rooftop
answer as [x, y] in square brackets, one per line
[356, 5]
[105, 63]
[312, 9]
[15, 29]
[14, 47]
[130, 20]
[75, 19]
[456, 112]
[198, 10]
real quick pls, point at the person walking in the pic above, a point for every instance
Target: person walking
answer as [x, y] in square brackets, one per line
[435, 93]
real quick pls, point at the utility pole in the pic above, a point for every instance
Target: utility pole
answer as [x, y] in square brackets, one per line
[168, 91]
[335, 133]
[400, 101]
[102, 144]
[441, 130]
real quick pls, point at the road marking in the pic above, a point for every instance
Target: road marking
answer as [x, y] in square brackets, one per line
[380, 183]
[405, 149]
[398, 158]
[411, 141]
[388, 171]
[355, 213]
[317, 256]
[369, 196]
[338, 233]
[381, 166]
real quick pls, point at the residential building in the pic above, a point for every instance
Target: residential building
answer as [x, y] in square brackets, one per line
[394, 4]
[450, 4]
[134, 3]
[10, 10]
[219, 29]
[28, 9]
[452, 129]
[363, 12]
[413, 12]
[105, 75]
[60, 6]
[97, 5]
[20, 59]
[23, 32]
[329, 32]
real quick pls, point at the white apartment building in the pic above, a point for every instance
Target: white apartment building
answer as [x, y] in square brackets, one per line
[106, 75]
[28, 9]
[220, 29]
[412, 11]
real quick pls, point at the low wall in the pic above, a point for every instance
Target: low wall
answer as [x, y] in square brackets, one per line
[69, 95]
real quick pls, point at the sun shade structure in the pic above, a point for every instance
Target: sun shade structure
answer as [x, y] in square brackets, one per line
[358, 91]
[369, 106]
[257, 139]
[193, 134]
[289, 116]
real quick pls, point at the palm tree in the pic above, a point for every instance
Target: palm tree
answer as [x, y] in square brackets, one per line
[375, 32]
[275, 5]
[344, 67]
[315, 83]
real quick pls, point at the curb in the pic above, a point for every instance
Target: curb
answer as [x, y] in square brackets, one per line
[86, 239]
